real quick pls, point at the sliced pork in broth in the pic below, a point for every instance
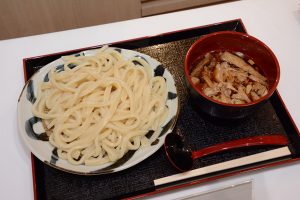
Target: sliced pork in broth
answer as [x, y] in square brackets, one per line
[229, 78]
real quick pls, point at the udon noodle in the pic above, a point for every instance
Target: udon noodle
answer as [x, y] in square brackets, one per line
[97, 108]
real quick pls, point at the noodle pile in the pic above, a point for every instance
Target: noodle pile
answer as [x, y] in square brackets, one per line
[98, 107]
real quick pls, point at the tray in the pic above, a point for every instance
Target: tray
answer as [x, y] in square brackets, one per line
[200, 130]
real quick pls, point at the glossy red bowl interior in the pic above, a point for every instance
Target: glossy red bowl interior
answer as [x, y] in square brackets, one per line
[232, 41]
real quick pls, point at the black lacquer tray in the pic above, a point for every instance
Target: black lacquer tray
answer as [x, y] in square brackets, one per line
[199, 129]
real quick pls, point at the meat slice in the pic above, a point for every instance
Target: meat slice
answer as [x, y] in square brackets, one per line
[239, 62]
[195, 80]
[218, 73]
[210, 92]
[254, 96]
[197, 70]
[255, 78]
[241, 95]
[248, 88]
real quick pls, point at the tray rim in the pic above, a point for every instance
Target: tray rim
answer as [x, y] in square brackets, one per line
[196, 181]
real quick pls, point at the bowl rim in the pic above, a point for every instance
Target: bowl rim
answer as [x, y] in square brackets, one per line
[271, 90]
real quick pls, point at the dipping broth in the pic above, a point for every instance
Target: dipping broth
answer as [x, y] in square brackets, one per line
[229, 77]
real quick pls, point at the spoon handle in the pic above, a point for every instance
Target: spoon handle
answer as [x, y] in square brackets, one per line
[244, 142]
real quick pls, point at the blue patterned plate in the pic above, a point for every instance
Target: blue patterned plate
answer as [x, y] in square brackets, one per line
[35, 138]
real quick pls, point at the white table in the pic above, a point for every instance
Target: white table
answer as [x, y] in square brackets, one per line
[275, 22]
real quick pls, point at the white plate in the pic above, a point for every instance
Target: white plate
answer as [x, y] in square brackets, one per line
[33, 133]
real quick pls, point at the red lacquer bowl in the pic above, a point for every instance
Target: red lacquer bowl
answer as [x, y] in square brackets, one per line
[232, 41]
